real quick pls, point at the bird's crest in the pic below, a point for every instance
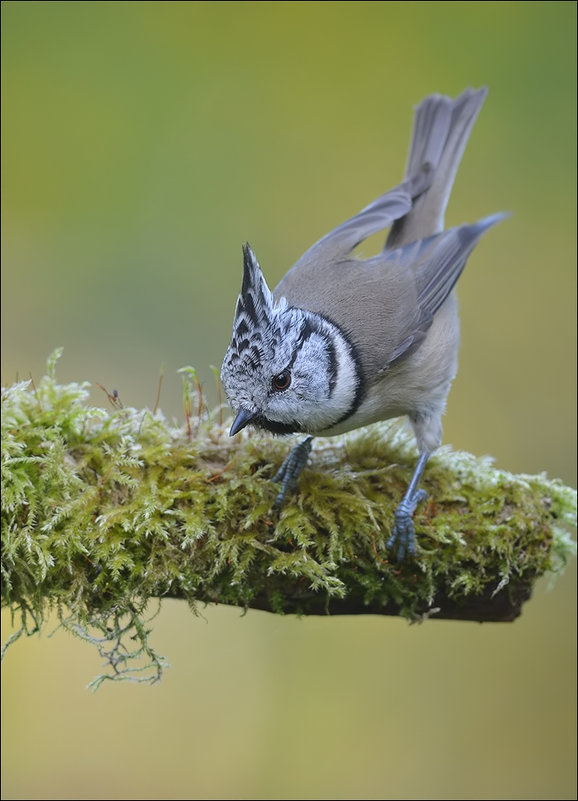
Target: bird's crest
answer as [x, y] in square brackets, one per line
[256, 329]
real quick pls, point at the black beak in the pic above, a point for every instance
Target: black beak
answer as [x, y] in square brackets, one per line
[242, 419]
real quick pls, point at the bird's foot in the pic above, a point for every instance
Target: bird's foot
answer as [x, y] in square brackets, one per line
[403, 535]
[291, 469]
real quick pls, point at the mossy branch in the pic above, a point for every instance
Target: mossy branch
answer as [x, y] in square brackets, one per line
[104, 511]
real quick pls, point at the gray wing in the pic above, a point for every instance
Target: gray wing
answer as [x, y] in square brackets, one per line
[379, 215]
[415, 208]
[436, 262]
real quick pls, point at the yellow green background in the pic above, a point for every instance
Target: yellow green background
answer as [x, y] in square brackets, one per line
[143, 143]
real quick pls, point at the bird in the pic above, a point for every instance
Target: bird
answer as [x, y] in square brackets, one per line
[343, 342]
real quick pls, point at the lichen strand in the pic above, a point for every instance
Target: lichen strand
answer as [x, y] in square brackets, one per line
[103, 511]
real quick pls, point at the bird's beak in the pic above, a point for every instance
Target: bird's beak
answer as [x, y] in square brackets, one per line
[243, 418]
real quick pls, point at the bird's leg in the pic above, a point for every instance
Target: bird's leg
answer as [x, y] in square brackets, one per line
[403, 535]
[291, 469]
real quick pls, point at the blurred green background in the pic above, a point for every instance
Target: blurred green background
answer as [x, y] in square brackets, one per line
[143, 142]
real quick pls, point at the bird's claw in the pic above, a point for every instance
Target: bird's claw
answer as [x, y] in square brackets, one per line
[403, 535]
[291, 469]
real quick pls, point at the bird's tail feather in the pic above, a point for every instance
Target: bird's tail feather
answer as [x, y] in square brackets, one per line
[440, 132]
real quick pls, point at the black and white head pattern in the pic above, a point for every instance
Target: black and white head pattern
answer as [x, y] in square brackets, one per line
[286, 369]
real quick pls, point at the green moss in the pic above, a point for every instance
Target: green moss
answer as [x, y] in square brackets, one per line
[104, 511]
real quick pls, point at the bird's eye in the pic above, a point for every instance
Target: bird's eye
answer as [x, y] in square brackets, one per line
[281, 381]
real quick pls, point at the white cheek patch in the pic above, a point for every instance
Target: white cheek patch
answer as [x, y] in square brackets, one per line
[326, 378]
